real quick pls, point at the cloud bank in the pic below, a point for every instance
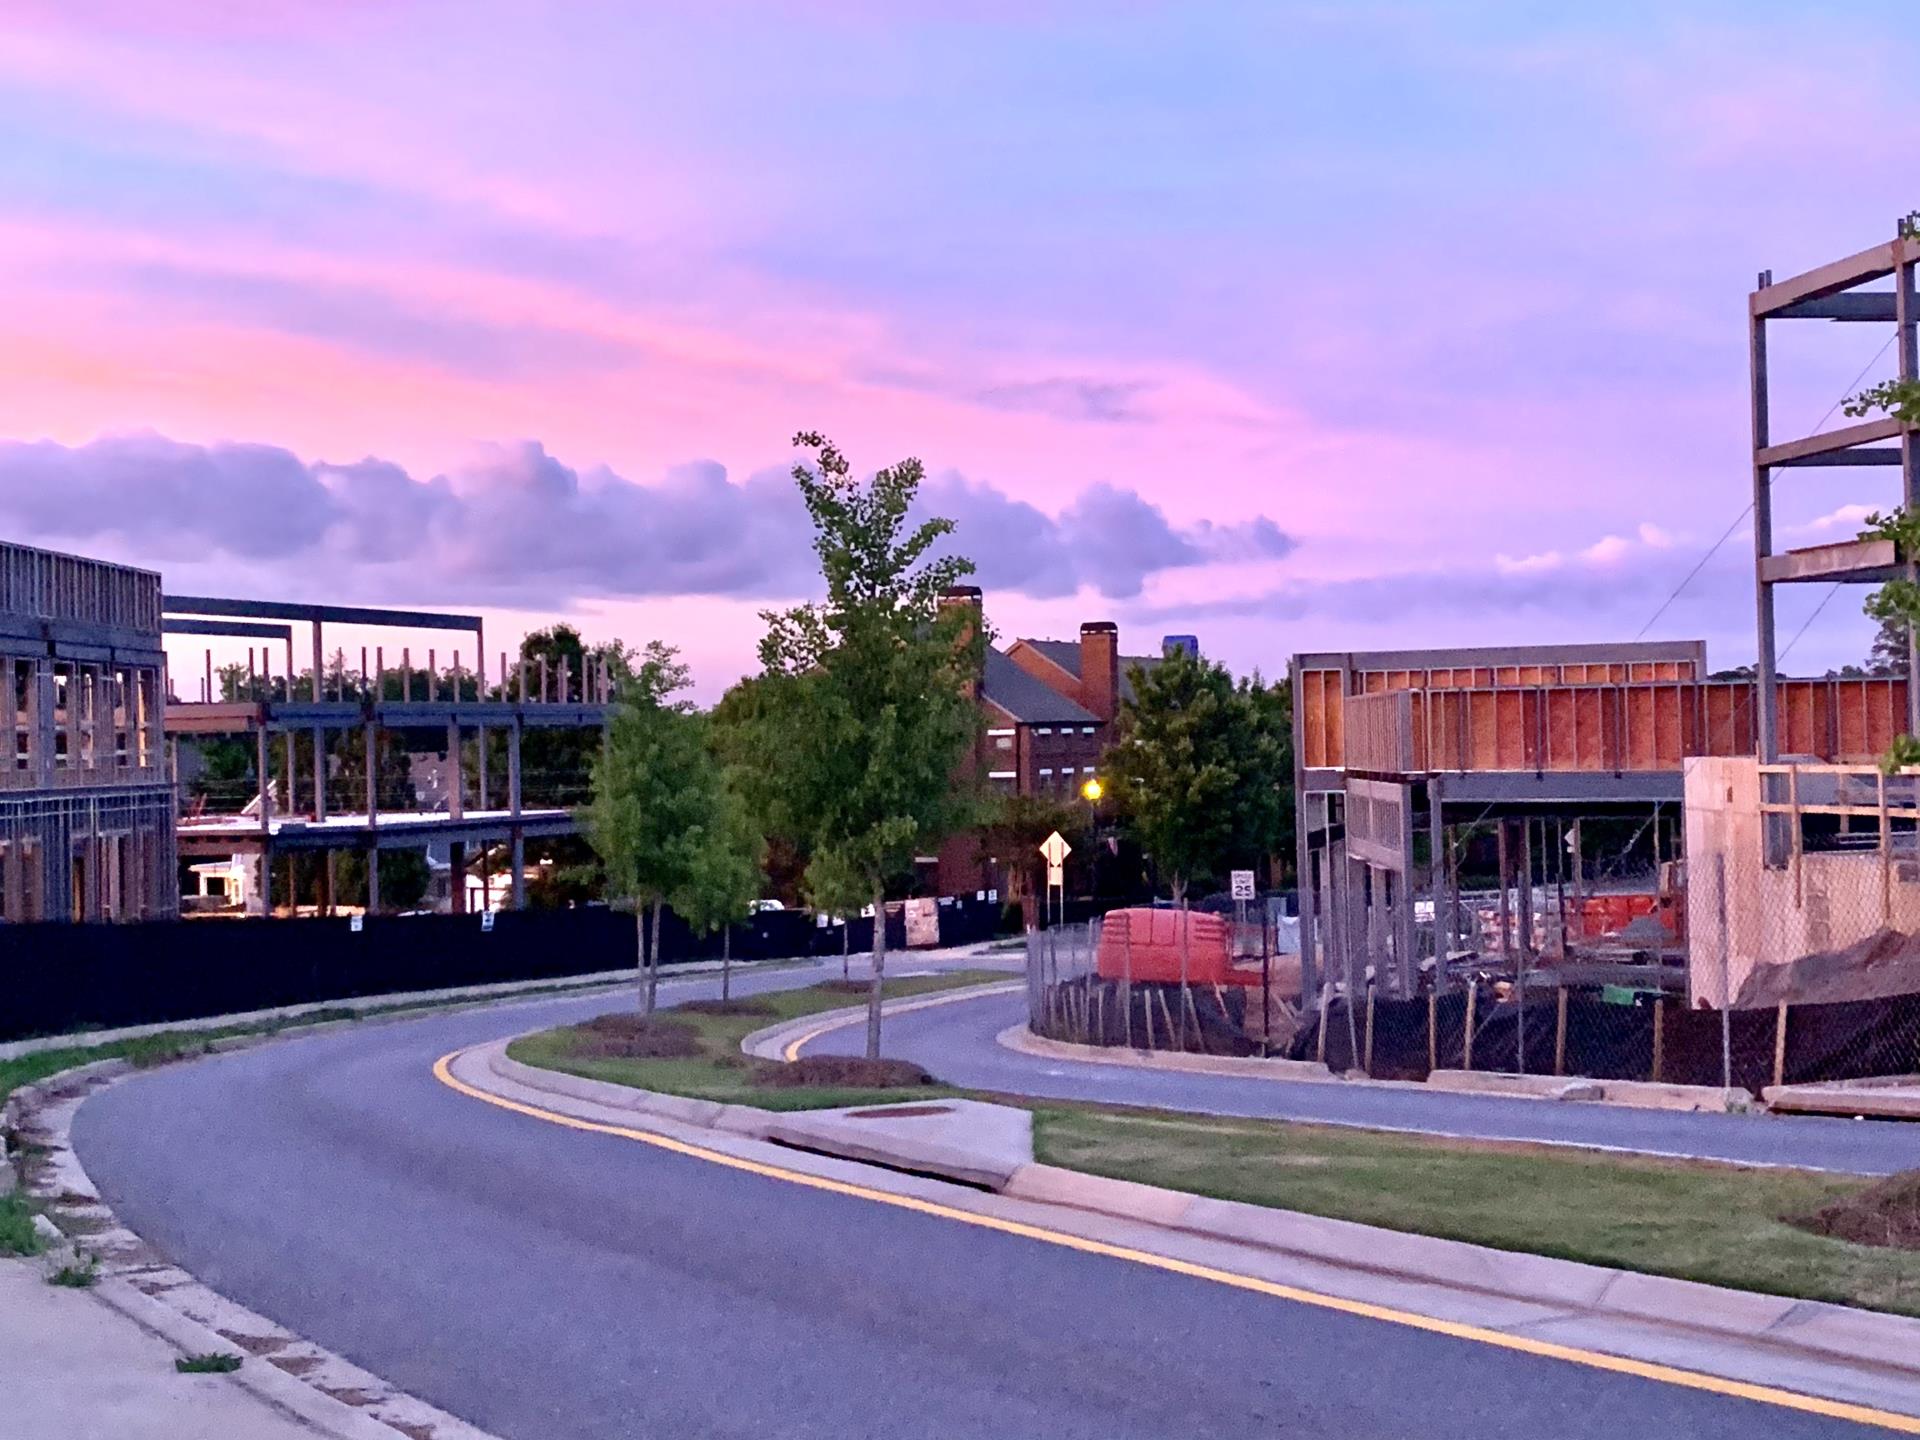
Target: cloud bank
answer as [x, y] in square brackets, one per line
[516, 526]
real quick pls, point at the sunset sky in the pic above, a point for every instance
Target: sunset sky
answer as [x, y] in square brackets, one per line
[1296, 326]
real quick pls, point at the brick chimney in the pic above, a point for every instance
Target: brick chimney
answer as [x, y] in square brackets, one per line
[965, 598]
[1100, 668]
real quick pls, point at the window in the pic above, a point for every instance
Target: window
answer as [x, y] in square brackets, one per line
[1046, 772]
[1086, 729]
[1044, 730]
[1003, 742]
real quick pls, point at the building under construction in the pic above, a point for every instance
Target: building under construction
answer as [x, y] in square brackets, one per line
[86, 797]
[309, 819]
[1398, 755]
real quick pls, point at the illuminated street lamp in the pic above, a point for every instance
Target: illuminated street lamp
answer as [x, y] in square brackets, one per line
[1092, 790]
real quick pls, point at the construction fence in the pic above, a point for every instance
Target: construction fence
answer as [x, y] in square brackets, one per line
[1546, 1027]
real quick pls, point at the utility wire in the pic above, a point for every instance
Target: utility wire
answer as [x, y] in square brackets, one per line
[1835, 590]
[1674, 594]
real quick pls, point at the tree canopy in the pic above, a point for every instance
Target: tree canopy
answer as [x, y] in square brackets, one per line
[865, 714]
[1203, 768]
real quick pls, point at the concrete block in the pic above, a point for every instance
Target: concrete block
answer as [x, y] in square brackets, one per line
[941, 1150]
[1581, 1090]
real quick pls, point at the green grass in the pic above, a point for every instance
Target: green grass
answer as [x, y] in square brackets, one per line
[720, 1072]
[78, 1274]
[214, 1362]
[17, 1235]
[1715, 1223]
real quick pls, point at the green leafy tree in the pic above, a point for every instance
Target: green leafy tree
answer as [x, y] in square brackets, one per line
[866, 698]
[1201, 768]
[1896, 604]
[653, 792]
[724, 877]
[836, 888]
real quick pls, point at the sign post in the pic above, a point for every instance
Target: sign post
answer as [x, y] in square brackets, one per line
[1055, 849]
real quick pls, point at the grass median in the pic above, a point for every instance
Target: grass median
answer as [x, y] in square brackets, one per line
[1721, 1224]
[694, 1050]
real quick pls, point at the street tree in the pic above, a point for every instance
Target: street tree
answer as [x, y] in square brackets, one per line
[724, 877]
[836, 888]
[1199, 768]
[868, 699]
[653, 794]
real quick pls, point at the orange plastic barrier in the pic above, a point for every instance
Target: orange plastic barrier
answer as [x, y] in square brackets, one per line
[1603, 915]
[1145, 944]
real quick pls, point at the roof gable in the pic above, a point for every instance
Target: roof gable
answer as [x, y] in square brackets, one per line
[1026, 699]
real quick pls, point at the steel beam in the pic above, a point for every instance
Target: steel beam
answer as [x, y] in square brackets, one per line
[1767, 700]
[173, 625]
[333, 614]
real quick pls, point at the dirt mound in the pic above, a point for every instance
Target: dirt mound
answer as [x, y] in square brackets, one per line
[842, 1072]
[635, 1037]
[728, 1007]
[1884, 964]
[1886, 1214]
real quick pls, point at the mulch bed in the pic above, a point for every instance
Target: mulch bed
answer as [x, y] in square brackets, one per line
[727, 1007]
[635, 1037]
[842, 1072]
[1886, 1214]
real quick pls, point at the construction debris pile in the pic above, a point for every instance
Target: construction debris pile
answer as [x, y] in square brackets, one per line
[1879, 967]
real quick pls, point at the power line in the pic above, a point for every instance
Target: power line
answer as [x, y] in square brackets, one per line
[1674, 594]
[1835, 590]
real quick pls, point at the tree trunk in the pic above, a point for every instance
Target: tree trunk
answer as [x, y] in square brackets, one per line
[879, 971]
[640, 953]
[726, 962]
[653, 958]
[846, 947]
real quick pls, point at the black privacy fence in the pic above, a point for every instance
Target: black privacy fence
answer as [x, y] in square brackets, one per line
[1579, 1032]
[59, 978]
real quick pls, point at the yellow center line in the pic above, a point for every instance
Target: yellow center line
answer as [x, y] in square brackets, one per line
[794, 1047]
[1546, 1349]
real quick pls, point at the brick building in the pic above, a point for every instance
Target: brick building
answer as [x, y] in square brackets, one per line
[1048, 709]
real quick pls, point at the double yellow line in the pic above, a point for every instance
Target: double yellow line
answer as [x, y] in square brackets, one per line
[1545, 1349]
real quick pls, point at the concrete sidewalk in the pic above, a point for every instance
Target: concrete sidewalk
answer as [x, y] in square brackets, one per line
[73, 1369]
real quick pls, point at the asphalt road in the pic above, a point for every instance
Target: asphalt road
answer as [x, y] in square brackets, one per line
[957, 1043]
[553, 1285]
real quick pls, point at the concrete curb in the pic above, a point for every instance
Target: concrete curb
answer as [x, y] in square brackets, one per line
[1566, 1088]
[1813, 1329]
[276, 1387]
[771, 1042]
[1020, 1039]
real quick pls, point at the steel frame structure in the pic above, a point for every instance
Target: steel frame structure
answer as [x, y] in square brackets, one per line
[539, 700]
[1831, 292]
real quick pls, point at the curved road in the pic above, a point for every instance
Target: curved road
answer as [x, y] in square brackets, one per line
[957, 1043]
[553, 1285]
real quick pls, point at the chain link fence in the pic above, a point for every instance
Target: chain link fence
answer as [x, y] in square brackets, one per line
[1085, 991]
